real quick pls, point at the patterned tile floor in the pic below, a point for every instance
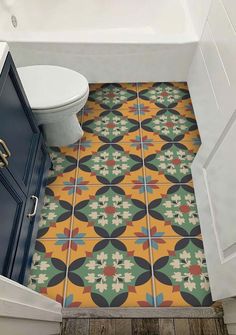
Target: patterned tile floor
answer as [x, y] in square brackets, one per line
[119, 225]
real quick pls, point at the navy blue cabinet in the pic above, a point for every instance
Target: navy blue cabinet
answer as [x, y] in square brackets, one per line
[24, 163]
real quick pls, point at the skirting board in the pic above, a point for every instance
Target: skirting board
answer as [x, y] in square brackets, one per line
[129, 313]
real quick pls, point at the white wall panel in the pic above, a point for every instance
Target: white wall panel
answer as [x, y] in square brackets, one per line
[204, 101]
[225, 38]
[198, 10]
[216, 70]
[230, 6]
[215, 65]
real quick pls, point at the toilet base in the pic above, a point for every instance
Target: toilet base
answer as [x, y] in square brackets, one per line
[61, 133]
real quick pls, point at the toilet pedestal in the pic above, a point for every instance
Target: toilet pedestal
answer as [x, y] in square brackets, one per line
[63, 132]
[56, 95]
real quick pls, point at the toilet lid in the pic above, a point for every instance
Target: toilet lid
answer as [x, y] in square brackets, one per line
[48, 86]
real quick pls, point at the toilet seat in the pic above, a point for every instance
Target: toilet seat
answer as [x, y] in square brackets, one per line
[49, 88]
[58, 113]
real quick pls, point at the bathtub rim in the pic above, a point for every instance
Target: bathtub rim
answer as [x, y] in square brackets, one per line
[89, 37]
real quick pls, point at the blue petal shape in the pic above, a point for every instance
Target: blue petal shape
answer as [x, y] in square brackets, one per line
[69, 300]
[61, 235]
[159, 299]
[144, 230]
[140, 241]
[149, 189]
[154, 244]
[150, 299]
[60, 242]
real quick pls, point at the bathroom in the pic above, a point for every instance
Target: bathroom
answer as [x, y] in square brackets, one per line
[116, 165]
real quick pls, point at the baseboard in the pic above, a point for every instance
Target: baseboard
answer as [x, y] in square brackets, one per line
[129, 313]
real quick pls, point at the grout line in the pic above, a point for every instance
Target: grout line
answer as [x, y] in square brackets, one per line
[117, 238]
[149, 237]
[71, 225]
[148, 223]
[138, 142]
[66, 275]
[124, 184]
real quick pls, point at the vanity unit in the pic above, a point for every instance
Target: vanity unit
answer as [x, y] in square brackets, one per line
[24, 163]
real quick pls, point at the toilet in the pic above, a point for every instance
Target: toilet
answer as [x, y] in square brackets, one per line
[56, 94]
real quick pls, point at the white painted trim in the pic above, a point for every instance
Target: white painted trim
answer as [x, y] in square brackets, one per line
[10, 308]
[21, 308]
[229, 306]
[11, 326]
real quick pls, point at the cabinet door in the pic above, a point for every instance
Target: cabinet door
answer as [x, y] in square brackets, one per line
[17, 127]
[214, 174]
[27, 237]
[12, 206]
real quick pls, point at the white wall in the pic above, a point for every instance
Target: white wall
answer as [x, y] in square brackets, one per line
[198, 10]
[212, 76]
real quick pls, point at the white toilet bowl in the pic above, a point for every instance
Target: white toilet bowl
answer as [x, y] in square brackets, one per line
[56, 95]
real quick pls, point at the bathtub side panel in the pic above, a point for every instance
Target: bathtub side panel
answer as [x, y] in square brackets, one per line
[111, 62]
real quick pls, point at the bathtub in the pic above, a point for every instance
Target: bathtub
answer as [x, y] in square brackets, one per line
[106, 40]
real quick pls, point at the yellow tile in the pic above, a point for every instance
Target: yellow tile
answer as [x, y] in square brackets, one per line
[56, 213]
[48, 269]
[112, 96]
[181, 273]
[185, 109]
[105, 273]
[169, 125]
[111, 163]
[64, 161]
[170, 162]
[111, 126]
[163, 95]
[110, 211]
[173, 211]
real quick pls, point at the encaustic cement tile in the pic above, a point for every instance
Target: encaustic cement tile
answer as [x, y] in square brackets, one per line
[112, 96]
[110, 126]
[56, 213]
[64, 162]
[169, 125]
[163, 95]
[110, 163]
[110, 212]
[108, 273]
[48, 269]
[170, 162]
[130, 112]
[111, 229]
[186, 111]
[181, 273]
[173, 211]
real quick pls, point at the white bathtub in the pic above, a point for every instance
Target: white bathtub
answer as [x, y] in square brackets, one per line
[106, 40]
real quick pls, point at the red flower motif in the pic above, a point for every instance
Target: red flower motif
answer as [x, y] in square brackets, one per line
[59, 299]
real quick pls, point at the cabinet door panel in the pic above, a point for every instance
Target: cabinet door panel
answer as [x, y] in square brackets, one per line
[12, 205]
[17, 127]
[29, 227]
